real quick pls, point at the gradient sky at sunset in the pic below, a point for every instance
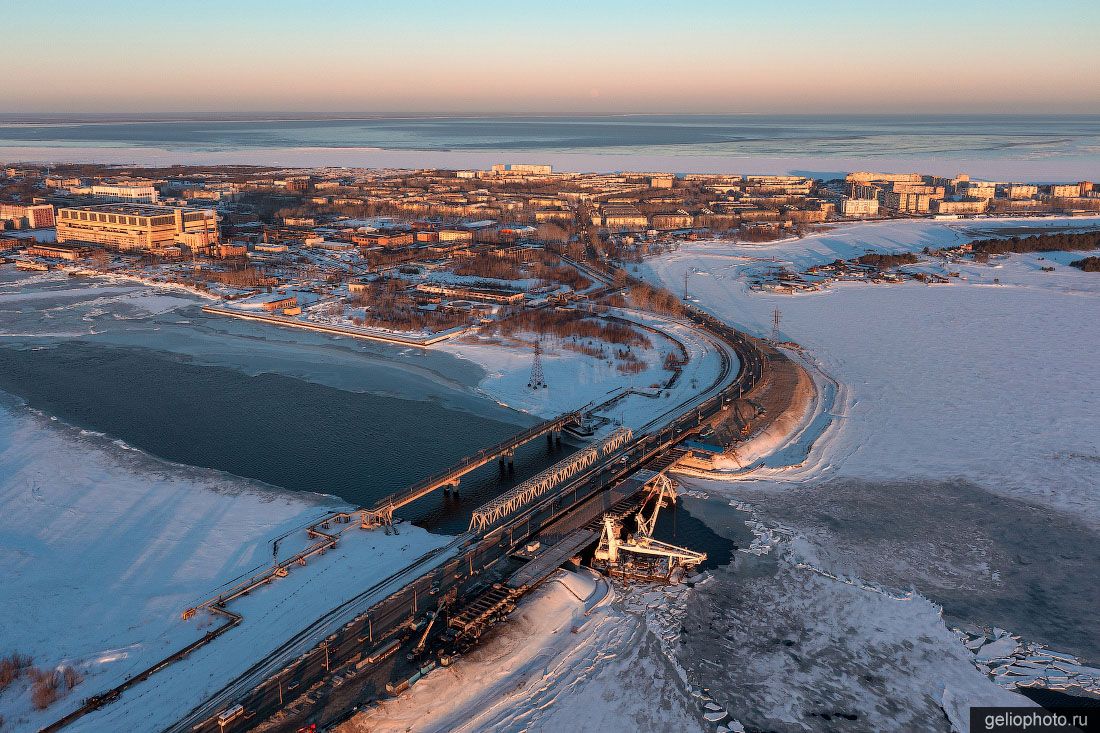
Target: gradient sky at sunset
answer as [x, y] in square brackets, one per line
[560, 57]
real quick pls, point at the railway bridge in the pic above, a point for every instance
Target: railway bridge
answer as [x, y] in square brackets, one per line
[558, 508]
[448, 479]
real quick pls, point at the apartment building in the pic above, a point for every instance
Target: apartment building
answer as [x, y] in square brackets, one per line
[984, 190]
[907, 203]
[20, 216]
[623, 216]
[1020, 190]
[851, 207]
[1065, 190]
[521, 169]
[966, 206]
[869, 177]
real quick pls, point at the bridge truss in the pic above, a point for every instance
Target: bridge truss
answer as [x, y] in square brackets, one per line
[534, 487]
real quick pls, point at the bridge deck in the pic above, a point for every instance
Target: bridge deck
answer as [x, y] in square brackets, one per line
[473, 462]
[550, 559]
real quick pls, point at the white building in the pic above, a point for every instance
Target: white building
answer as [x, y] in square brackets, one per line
[135, 192]
[858, 207]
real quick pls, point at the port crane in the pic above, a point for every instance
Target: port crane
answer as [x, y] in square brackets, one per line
[663, 558]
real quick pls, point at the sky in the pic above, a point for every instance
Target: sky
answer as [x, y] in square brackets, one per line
[359, 57]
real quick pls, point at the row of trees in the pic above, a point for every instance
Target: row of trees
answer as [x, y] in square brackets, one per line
[1058, 242]
[487, 265]
[1088, 264]
[886, 261]
[659, 300]
[571, 324]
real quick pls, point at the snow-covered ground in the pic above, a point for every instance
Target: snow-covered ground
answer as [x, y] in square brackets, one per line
[989, 382]
[575, 655]
[104, 547]
[575, 380]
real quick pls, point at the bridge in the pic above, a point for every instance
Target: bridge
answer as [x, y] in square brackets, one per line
[448, 479]
[559, 510]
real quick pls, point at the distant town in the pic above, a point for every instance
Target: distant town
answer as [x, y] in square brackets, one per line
[418, 256]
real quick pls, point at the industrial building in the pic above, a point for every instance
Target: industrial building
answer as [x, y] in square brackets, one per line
[138, 226]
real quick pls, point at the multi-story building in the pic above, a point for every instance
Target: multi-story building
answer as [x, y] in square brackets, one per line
[678, 219]
[1020, 190]
[933, 191]
[383, 239]
[1065, 190]
[36, 216]
[971, 206]
[456, 235]
[857, 190]
[858, 207]
[984, 190]
[868, 177]
[907, 203]
[136, 192]
[138, 226]
[521, 169]
[623, 216]
[61, 182]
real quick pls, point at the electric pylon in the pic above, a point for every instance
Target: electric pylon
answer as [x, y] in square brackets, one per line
[537, 381]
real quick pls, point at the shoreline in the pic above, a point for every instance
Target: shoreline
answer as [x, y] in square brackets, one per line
[598, 160]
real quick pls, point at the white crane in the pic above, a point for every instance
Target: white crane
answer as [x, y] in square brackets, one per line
[643, 543]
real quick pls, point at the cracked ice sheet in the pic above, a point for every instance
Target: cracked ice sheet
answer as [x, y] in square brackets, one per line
[1000, 563]
[780, 651]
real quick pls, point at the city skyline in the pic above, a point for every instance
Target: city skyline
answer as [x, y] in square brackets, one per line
[429, 58]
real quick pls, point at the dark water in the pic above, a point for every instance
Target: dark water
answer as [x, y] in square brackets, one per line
[947, 539]
[719, 537]
[284, 431]
[856, 136]
[1054, 699]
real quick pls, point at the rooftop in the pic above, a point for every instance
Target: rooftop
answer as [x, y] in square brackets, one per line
[134, 209]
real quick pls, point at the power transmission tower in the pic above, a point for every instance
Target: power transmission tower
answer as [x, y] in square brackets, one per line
[776, 318]
[687, 273]
[537, 380]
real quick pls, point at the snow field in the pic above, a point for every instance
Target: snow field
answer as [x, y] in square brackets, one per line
[104, 548]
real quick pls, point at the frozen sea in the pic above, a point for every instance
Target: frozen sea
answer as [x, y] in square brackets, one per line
[1031, 147]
